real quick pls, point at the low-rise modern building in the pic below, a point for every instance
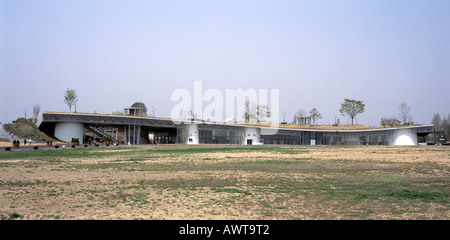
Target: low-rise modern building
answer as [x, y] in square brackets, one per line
[132, 129]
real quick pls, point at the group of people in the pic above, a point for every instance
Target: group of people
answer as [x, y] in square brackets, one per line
[16, 143]
[24, 140]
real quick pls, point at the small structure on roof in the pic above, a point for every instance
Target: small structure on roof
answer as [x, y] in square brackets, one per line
[134, 111]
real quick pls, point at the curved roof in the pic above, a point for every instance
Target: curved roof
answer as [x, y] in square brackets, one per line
[95, 118]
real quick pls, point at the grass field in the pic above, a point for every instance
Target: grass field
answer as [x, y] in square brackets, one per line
[226, 182]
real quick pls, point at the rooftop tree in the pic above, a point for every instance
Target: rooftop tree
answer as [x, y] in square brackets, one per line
[141, 105]
[405, 117]
[315, 115]
[70, 98]
[352, 108]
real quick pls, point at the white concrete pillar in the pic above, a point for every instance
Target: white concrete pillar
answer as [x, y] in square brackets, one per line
[406, 137]
[66, 131]
[252, 134]
[193, 135]
[139, 135]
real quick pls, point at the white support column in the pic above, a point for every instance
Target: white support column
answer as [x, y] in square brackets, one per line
[406, 137]
[252, 134]
[125, 134]
[193, 136]
[67, 130]
[133, 138]
[138, 135]
[129, 134]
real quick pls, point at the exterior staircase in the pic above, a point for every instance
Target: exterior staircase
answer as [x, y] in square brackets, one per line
[101, 134]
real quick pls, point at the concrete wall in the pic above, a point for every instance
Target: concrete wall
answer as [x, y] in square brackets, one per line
[253, 134]
[193, 135]
[67, 131]
[406, 137]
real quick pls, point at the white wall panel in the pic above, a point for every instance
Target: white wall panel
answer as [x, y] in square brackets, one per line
[67, 131]
[406, 137]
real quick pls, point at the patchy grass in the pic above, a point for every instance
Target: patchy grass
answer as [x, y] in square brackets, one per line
[27, 130]
[226, 182]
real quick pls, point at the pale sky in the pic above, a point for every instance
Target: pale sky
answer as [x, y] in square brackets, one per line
[317, 53]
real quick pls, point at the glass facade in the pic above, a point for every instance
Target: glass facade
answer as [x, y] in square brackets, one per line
[220, 134]
[358, 138]
[284, 137]
[329, 138]
[182, 133]
[226, 134]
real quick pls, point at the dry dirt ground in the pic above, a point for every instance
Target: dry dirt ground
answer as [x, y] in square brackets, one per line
[226, 182]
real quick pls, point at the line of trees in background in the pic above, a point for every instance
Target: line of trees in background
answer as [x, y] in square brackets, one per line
[33, 119]
[403, 118]
[349, 107]
[301, 116]
[441, 129]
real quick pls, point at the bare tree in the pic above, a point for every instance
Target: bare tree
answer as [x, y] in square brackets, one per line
[436, 121]
[262, 111]
[246, 115]
[70, 98]
[254, 112]
[445, 127]
[405, 117]
[447, 133]
[36, 111]
[189, 114]
[315, 115]
[337, 121]
[301, 113]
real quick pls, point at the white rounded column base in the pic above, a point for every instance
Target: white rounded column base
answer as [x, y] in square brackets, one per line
[67, 131]
[406, 137]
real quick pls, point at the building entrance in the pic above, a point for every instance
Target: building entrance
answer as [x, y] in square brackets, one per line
[161, 135]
